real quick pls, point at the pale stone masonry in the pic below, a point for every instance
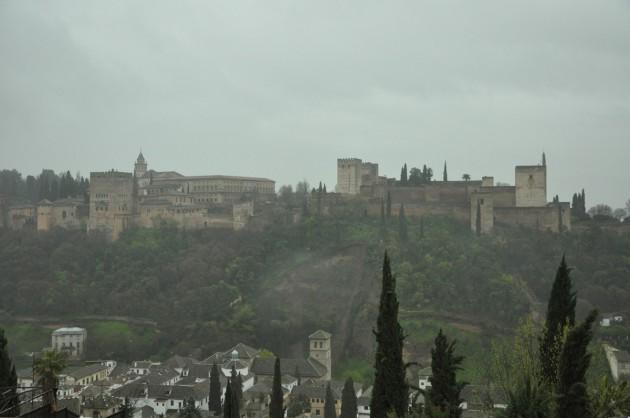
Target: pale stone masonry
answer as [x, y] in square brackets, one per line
[148, 198]
[481, 203]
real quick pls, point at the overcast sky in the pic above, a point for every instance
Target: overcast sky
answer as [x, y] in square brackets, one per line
[280, 89]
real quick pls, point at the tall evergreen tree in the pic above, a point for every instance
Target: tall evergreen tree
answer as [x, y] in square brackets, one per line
[235, 410]
[571, 390]
[389, 394]
[237, 385]
[276, 408]
[298, 376]
[404, 179]
[445, 174]
[329, 403]
[227, 401]
[349, 408]
[560, 314]
[8, 380]
[402, 224]
[478, 219]
[214, 399]
[444, 394]
[382, 213]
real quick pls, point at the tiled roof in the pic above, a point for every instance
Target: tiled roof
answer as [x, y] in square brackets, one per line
[81, 372]
[306, 368]
[320, 334]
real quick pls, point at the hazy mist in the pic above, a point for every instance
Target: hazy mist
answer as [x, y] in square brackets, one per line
[280, 89]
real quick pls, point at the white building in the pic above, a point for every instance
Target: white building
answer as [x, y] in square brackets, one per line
[70, 340]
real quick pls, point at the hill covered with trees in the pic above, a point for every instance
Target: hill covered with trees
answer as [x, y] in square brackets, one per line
[195, 292]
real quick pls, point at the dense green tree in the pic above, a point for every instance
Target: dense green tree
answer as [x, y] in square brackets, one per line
[572, 398]
[8, 380]
[610, 399]
[189, 410]
[276, 408]
[560, 314]
[349, 408]
[329, 403]
[214, 399]
[389, 394]
[444, 395]
[298, 405]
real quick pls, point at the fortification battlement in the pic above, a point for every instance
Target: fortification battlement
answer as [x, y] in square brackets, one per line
[348, 160]
[110, 174]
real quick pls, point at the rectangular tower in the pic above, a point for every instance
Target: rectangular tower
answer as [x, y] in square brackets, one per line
[320, 349]
[349, 172]
[111, 202]
[531, 185]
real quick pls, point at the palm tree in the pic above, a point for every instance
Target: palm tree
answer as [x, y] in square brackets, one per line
[47, 368]
[466, 177]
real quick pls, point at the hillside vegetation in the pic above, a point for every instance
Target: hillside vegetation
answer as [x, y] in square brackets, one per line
[208, 289]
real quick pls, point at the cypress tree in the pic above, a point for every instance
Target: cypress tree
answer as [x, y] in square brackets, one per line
[444, 394]
[329, 403]
[214, 400]
[402, 224]
[404, 177]
[235, 410]
[276, 409]
[478, 219]
[298, 376]
[237, 385]
[382, 212]
[560, 314]
[349, 406]
[389, 392]
[572, 396]
[445, 174]
[227, 401]
[8, 379]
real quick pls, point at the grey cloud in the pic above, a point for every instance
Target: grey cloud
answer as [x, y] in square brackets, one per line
[282, 88]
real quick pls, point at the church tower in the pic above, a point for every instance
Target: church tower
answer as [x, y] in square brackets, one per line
[320, 350]
[140, 168]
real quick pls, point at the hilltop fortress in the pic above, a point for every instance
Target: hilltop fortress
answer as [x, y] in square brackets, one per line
[480, 203]
[148, 198]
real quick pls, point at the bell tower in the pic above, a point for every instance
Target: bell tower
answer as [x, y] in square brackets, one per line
[320, 350]
[140, 167]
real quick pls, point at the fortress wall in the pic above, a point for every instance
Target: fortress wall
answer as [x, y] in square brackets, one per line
[503, 196]
[543, 218]
[459, 212]
[438, 192]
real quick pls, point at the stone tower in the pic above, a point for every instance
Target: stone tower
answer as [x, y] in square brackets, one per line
[531, 185]
[320, 350]
[140, 168]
